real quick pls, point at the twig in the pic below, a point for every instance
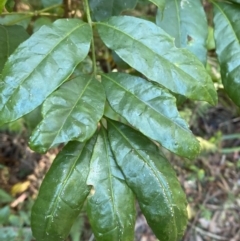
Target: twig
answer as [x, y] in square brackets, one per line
[211, 235]
[91, 238]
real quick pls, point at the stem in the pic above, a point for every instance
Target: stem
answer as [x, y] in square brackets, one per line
[89, 19]
[36, 13]
[50, 8]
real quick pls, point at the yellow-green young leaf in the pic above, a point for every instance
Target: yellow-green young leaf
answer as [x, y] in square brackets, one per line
[151, 110]
[111, 204]
[2, 4]
[40, 65]
[152, 179]
[227, 38]
[186, 21]
[151, 51]
[10, 38]
[62, 193]
[103, 9]
[70, 113]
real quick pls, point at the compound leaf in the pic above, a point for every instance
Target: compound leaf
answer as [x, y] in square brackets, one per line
[62, 193]
[70, 113]
[186, 21]
[40, 65]
[151, 51]
[10, 38]
[152, 179]
[227, 37]
[111, 204]
[103, 9]
[151, 110]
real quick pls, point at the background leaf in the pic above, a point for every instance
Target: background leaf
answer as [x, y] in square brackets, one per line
[62, 193]
[70, 113]
[151, 110]
[47, 3]
[2, 4]
[10, 38]
[110, 205]
[103, 9]
[152, 179]
[40, 65]
[159, 3]
[16, 19]
[227, 37]
[186, 21]
[151, 51]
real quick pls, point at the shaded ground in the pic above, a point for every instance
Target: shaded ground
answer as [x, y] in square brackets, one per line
[211, 183]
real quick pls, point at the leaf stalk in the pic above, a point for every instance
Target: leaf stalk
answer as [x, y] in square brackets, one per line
[89, 19]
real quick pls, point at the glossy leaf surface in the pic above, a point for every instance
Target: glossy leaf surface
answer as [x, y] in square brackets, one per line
[111, 204]
[152, 179]
[10, 38]
[152, 110]
[40, 65]
[70, 113]
[187, 23]
[62, 193]
[103, 9]
[227, 37]
[151, 51]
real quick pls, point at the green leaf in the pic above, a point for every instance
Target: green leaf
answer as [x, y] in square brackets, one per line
[152, 179]
[2, 5]
[10, 5]
[41, 22]
[4, 197]
[4, 214]
[16, 19]
[159, 3]
[186, 21]
[151, 110]
[62, 193]
[151, 51]
[103, 9]
[10, 38]
[110, 205]
[70, 113]
[48, 3]
[227, 37]
[40, 65]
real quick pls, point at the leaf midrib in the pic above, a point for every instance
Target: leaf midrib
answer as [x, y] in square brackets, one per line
[42, 60]
[227, 19]
[197, 83]
[152, 169]
[59, 192]
[126, 90]
[70, 112]
[110, 180]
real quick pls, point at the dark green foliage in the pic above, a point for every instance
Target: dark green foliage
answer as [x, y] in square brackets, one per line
[114, 125]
